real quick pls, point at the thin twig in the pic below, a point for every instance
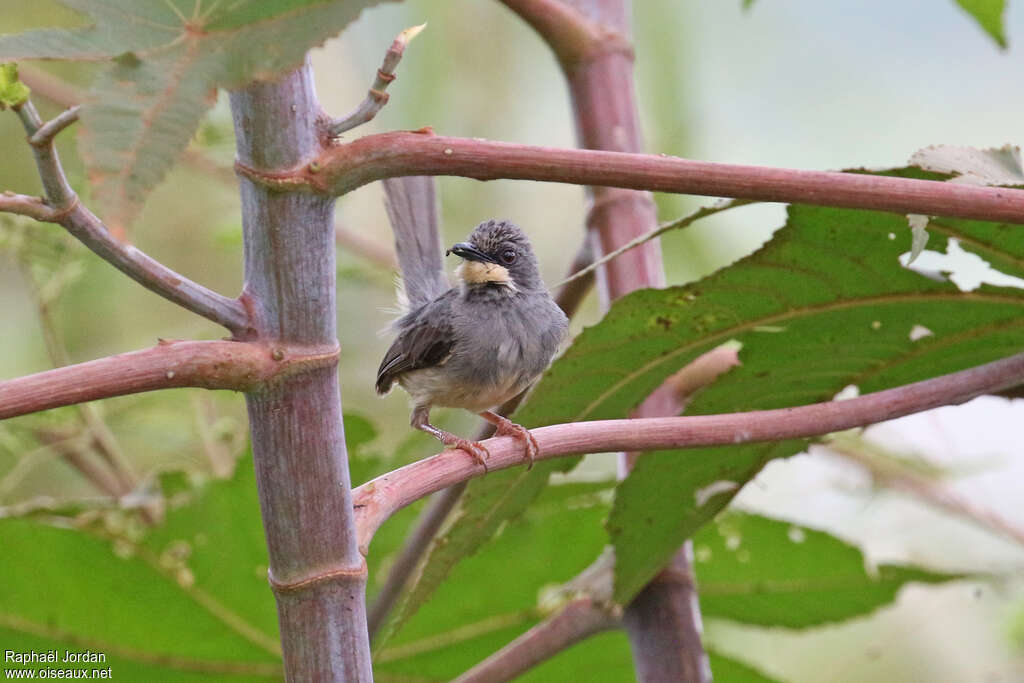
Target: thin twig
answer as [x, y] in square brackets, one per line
[377, 500]
[376, 98]
[66, 210]
[575, 622]
[241, 366]
[455, 636]
[103, 438]
[572, 290]
[24, 205]
[55, 184]
[49, 130]
[220, 457]
[75, 453]
[343, 168]
[677, 224]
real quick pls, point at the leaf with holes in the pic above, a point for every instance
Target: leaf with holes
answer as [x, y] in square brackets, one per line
[822, 306]
[168, 57]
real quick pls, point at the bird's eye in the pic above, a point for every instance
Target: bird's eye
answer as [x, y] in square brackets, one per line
[508, 256]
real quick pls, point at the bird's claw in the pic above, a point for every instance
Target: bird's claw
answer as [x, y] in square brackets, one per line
[530, 445]
[475, 449]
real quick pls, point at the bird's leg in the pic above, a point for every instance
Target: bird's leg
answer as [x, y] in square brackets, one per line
[420, 420]
[506, 427]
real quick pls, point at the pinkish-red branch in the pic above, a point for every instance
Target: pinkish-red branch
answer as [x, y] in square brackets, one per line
[343, 168]
[570, 34]
[378, 499]
[574, 623]
[241, 366]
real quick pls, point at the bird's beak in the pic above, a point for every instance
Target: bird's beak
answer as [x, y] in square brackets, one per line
[469, 252]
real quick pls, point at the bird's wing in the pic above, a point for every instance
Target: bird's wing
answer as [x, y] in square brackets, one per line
[424, 342]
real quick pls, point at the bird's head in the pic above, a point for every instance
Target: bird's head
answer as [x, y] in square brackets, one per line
[498, 253]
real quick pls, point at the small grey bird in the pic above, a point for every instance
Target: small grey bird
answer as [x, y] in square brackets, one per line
[481, 342]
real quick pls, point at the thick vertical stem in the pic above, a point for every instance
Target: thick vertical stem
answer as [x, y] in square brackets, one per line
[316, 570]
[602, 89]
[664, 625]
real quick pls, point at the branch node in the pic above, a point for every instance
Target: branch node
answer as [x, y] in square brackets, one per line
[59, 214]
[314, 581]
[49, 130]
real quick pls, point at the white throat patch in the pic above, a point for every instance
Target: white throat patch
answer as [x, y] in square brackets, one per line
[478, 272]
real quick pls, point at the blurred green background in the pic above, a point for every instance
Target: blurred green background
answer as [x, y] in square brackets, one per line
[792, 83]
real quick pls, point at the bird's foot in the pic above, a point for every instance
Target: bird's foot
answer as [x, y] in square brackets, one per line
[476, 449]
[506, 427]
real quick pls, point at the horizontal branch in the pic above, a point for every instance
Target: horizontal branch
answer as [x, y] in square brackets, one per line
[345, 167]
[378, 499]
[241, 366]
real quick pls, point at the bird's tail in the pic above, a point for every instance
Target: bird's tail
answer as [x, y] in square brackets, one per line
[412, 207]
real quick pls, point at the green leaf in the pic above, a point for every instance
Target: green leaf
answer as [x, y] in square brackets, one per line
[727, 669]
[821, 306]
[770, 573]
[494, 596]
[486, 504]
[168, 57]
[13, 92]
[187, 602]
[989, 15]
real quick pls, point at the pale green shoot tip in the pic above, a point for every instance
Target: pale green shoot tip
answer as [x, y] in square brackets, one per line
[13, 93]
